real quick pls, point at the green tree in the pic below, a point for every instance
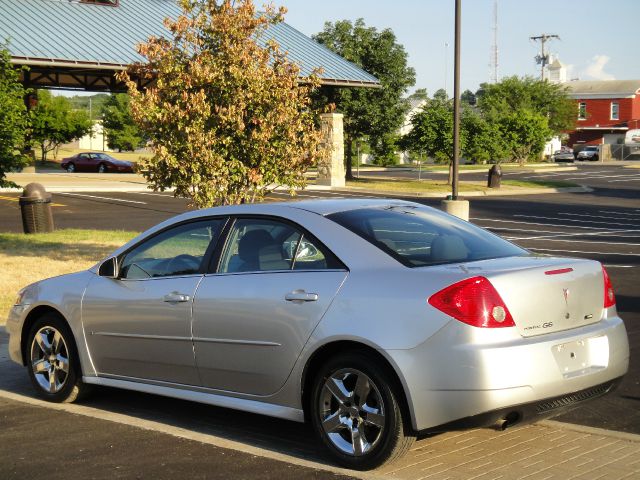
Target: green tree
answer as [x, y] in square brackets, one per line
[375, 113]
[483, 140]
[432, 132]
[527, 112]
[121, 130]
[53, 123]
[468, 97]
[12, 118]
[525, 133]
[228, 120]
[419, 94]
[513, 94]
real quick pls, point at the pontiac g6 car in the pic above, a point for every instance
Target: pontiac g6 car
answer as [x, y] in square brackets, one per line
[375, 320]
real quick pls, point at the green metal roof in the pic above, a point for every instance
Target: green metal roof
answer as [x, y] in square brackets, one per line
[66, 33]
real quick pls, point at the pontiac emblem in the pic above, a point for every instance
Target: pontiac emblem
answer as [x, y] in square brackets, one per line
[565, 292]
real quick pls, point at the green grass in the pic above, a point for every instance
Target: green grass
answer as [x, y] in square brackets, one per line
[431, 186]
[28, 258]
[539, 183]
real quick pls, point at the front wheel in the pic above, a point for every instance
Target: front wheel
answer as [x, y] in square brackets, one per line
[53, 364]
[71, 168]
[355, 410]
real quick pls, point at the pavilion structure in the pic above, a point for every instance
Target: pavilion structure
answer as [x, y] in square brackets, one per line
[82, 45]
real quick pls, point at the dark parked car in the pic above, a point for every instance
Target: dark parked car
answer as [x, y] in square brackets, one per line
[589, 153]
[95, 162]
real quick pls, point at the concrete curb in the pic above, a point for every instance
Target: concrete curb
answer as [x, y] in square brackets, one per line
[501, 192]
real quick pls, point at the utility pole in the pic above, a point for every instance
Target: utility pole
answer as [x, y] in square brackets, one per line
[543, 58]
[456, 103]
[493, 63]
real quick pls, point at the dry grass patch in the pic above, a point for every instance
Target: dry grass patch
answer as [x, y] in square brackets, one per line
[25, 259]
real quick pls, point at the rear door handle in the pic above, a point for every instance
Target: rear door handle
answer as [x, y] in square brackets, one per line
[175, 297]
[301, 296]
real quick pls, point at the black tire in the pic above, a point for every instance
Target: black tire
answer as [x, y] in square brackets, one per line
[595, 158]
[378, 418]
[102, 168]
[65, 387]
[71, 167]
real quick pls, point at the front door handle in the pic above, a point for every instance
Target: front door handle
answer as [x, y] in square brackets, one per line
[301, 296]
[175, 297]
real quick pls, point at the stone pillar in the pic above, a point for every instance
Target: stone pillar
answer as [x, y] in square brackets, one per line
[331, 168]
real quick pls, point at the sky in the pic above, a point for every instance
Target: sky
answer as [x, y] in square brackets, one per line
[598, 38]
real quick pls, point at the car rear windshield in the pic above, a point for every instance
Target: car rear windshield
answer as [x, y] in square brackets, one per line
[422, 236]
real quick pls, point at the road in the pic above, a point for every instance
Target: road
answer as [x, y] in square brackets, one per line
[604, 225]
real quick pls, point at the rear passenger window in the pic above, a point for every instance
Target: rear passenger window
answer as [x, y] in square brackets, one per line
[260, 245]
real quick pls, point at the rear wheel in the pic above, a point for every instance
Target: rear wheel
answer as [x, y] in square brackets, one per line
[102, 168]
[53, 364]
[71, 167]
[355, 410]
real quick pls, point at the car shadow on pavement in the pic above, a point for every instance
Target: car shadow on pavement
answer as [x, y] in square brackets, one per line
[251, 430]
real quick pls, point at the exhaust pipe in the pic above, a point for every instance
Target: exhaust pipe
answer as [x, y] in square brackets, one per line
[507, 421]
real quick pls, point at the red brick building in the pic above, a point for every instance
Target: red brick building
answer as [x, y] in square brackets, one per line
[605, 109]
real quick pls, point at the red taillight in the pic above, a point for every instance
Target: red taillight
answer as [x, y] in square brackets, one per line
[609, 296]
[473, 301]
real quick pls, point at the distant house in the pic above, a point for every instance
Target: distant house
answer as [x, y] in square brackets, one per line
[415, 106]
[606, 110]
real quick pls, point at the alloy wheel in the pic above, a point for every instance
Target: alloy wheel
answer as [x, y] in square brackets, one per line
[352, 412]
[50, 359]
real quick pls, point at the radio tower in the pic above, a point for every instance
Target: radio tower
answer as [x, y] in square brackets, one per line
[493, 63]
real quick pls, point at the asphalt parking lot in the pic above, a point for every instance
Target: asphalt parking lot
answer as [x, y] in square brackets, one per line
[603, 224]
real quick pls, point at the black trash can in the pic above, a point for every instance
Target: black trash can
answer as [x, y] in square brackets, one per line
[495, 177]
[35, 206]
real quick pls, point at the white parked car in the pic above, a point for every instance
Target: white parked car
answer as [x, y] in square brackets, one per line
[373, 319]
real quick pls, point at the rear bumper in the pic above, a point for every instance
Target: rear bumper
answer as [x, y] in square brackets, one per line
[464, 372]
[530, 412]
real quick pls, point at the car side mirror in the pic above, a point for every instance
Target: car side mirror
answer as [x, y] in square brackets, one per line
[109, 268]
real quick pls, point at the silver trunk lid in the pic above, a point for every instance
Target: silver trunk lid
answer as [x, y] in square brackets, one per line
[545, 294]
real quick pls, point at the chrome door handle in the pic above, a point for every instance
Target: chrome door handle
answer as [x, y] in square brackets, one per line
[301, 296]
[175, 297]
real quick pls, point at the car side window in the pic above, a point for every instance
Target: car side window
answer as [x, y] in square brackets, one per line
[177, 251]
[258, 245]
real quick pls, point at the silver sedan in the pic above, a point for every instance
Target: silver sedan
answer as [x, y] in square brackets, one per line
[375, 320]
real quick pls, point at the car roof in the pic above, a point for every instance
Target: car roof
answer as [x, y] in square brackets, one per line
[333, 205]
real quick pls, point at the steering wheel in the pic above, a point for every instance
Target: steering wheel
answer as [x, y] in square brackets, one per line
[183, 263]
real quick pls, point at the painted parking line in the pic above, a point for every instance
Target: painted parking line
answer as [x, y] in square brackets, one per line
[574, 241]
[635, 179]
[583, 251]
[83, 195]
[601, 233]
[15, 199]
[538, 217]
[589, 215]
[155, 194]
[620, 213]
[540, 223]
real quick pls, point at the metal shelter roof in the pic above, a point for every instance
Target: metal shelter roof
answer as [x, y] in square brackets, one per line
[71, 44]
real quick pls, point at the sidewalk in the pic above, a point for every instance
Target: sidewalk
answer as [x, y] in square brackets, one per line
[546, 450]
[131, 182]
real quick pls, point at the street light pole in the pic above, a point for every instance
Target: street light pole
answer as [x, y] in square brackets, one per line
[456, 103]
